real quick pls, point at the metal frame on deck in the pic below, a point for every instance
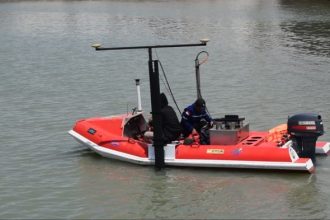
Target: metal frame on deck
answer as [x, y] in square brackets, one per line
[154, 93]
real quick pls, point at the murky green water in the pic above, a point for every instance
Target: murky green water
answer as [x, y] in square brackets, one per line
[268, 60]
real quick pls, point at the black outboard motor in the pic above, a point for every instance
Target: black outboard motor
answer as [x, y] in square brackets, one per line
[304, 130]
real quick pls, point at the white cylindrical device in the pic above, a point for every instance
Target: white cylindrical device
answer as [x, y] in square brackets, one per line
[137, 82]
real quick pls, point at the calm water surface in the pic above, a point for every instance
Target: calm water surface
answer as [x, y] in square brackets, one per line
[268, 60]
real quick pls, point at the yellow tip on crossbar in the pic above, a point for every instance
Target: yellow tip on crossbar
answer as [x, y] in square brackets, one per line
[96, 45]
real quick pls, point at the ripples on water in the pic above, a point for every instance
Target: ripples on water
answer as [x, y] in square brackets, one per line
[268, 59]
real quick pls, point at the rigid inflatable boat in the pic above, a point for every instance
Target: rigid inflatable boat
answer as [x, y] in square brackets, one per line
[289, 146]
[121, 137]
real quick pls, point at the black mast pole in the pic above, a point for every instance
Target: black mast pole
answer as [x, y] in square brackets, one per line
[155, 95]
[156, 116]
[155, 111]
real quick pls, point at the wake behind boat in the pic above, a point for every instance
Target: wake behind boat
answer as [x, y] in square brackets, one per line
[290, 146]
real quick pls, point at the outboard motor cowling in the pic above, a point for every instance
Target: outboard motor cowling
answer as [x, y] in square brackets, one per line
[304, 130]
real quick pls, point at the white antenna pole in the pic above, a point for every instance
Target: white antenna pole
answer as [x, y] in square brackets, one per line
[137, 83]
